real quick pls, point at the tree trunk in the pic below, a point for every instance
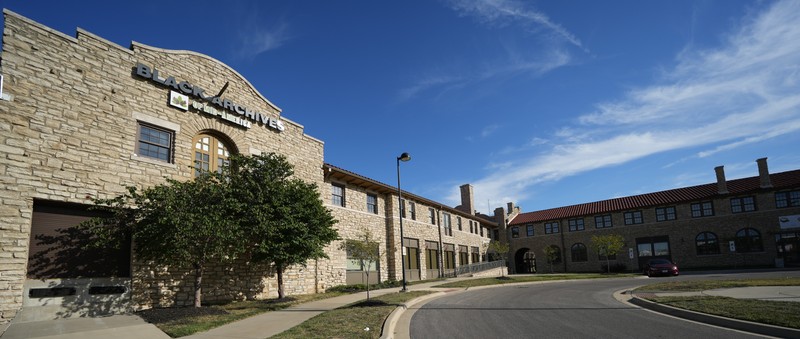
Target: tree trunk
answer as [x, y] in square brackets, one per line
[608, 264]
[198, 280]
[367, 284]
[279, 272]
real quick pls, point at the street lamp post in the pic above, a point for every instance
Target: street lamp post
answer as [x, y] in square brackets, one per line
[403, 157]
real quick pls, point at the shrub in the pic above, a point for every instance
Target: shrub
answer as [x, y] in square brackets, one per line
[615, 268]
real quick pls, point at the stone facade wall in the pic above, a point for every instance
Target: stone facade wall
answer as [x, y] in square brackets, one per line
[386, 226]
[681, 233]
[68, 133]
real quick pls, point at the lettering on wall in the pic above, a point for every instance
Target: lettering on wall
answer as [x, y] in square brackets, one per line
[182, 91]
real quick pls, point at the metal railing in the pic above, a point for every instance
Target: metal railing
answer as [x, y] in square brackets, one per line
[474, 268]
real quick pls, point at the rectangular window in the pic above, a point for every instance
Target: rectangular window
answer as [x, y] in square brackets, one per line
[337, 197]
[551, 227]
[413, 208]
[481, 230]
[576, 225]
[633, 218]
[372, 203]
[529, 230]
[432, 215]
[402, 208]
[602, 221]
[432, 255]
[743, 204]
[155, 143]
[515, 232]
[702, 209]
[458, 221]
[476, 254]
[787, 199]
[448, 230]
[665, 213]
[463, 255]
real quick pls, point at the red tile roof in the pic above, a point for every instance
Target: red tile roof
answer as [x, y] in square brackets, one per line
[781, 180]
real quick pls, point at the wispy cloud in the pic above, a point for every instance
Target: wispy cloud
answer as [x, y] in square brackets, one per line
[537, 61]
[506, 67]
[259, 35]
[744, 92]
[506, 12]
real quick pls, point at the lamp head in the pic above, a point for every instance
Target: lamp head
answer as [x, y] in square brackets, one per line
[404, 157]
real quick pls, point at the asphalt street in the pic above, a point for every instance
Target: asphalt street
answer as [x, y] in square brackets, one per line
[571, 309]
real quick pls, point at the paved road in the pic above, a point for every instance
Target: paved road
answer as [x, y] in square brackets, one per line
[573, 309]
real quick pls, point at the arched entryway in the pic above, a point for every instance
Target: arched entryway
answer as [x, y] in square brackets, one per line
[524, 261]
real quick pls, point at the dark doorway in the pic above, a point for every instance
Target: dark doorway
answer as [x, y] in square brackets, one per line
[788, 246]
[524, 261]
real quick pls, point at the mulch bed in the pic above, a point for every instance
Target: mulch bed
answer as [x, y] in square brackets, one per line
[164, 315]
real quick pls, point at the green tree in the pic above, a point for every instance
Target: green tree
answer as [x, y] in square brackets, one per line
[553, 254]
[363, 249]
[177, 223]
[608, 245]
[500, 250]
[284, 218]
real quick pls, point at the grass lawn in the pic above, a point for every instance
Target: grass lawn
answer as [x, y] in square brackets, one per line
[182, 321]
[702, 285]
[532, 278]
[780, 313]
[352, 320]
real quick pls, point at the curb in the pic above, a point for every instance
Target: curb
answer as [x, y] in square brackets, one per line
[387, 332]
[742, 325]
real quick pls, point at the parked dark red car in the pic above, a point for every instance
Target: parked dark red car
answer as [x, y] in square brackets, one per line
[655, 267]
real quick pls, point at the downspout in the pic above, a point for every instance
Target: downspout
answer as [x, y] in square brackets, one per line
[441, 245]
[563, 252]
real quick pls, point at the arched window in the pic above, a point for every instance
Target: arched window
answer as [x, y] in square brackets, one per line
[578, 252]
[706, 243]
[210, 153]
[748, 240]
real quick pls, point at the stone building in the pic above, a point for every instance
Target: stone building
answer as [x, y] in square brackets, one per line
[749, 222]
[83, 118]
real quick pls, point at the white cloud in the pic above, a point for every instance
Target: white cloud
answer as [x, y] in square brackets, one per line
[742, 93]
[255, 39]
[504, 12]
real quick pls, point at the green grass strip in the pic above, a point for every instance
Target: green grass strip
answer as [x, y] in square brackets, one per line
[363, 319]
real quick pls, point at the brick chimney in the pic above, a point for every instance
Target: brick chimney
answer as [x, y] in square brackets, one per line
[467, 199]
[763, 173]
[722, 184]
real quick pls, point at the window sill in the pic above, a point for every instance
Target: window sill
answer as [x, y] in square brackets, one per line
[152, 161]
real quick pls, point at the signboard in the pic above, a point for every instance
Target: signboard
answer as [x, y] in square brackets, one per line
[185, 95]
[405, 251]
[732, 245]
[630, 253]
[789, 221]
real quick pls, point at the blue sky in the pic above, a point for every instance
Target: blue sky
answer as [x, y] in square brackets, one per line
[544, 103]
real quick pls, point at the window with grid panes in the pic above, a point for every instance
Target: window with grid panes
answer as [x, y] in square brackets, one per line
[743, 204]
[372, 203]
[602, 221]
[787, 199]
[551, 227]
[665, 213]
[210, 154]
[702, 209]
[633, 217]
[576, 225]
[155, 142]
[337, 195]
